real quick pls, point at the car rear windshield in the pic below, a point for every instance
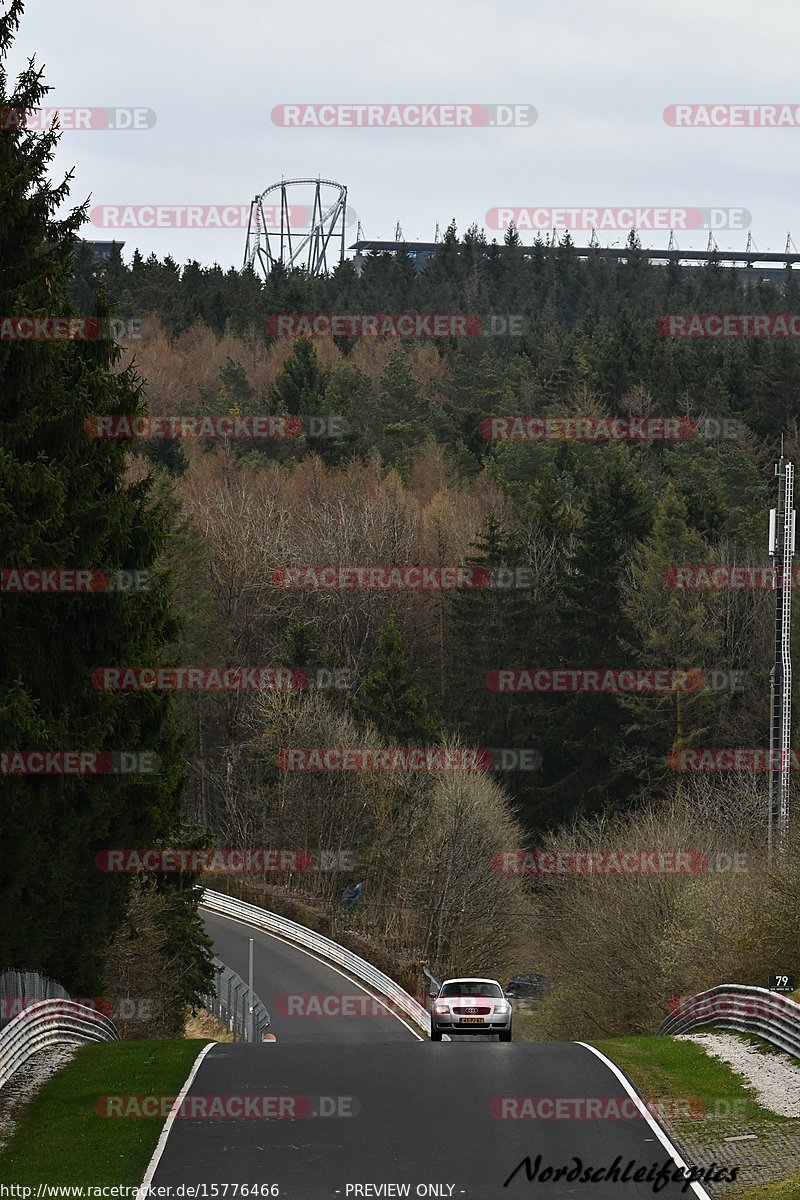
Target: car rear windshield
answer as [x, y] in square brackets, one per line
[460, 988]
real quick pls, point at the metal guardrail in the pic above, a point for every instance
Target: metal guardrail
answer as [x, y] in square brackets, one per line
[770, 1015]
[19, 989]
[398, 999]
[230, 1004]
[55, 1022]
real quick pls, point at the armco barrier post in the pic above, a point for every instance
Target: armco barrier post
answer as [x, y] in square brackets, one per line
[251, 1032]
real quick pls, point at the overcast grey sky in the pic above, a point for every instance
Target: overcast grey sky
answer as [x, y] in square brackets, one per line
[599, 75]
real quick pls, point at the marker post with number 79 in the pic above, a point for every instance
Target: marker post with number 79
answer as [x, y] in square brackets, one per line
[782, 983]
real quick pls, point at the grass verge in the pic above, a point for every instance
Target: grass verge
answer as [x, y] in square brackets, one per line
[723, 1107]
[61, 1139]
[662, 1067]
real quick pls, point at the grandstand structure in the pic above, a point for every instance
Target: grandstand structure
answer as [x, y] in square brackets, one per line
[762, 264]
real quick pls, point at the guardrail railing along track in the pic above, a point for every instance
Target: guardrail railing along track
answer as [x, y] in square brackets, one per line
[400, 1000]
[55, 1022]
[770, 1015]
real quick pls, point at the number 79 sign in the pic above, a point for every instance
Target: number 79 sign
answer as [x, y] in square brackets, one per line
[781, 983]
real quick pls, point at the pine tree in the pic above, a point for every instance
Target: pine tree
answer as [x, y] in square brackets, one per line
[405, 418]
[64, 503]
[390, 696]
[675, 630]
[617, 515]
[582, 731]
[489, 627]
[299, 389]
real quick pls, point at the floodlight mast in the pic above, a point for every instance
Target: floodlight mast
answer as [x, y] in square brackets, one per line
[304, 237]
[781, 549]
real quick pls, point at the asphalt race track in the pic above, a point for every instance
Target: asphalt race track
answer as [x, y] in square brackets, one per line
[281, 970]
[351, 1104]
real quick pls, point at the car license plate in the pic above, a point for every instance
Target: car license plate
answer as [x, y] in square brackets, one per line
[472, 1020]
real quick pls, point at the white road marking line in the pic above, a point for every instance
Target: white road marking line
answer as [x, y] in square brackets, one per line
[162, 1141]
[697, 1188]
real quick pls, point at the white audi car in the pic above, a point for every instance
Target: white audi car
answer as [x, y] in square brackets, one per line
[470, 1006]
